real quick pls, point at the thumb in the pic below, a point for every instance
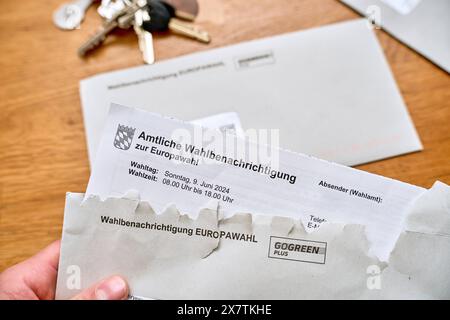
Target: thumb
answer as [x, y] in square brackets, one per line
[112, 288]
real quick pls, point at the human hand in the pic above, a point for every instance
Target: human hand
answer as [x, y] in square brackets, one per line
[35, 279]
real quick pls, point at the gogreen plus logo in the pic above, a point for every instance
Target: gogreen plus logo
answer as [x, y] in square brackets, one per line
[297, 250]
[124, 137]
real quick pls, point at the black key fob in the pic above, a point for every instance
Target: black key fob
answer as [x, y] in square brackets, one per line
[160, 15]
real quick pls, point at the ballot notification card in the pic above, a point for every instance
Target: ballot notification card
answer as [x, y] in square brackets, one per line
[173, 162]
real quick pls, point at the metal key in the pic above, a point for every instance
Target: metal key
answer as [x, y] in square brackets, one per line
[145, 38]
[70, 15]
[161, 19]
[184, 9]
[123, 19]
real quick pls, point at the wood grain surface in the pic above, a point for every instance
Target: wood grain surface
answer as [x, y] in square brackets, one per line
[42, 141]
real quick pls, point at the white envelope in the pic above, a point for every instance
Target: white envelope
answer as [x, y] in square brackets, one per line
[171, 256]
[329, 91]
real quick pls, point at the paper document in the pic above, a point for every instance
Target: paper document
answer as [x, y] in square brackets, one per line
[423, 26]
[170, 256]
[329, 91]
[173, 162]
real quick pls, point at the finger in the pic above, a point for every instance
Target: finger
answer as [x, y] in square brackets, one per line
[112, 288]
[49, 256]
[34, 278]
[40, 271]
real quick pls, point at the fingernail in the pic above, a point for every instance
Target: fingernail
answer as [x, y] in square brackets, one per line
[114, 288]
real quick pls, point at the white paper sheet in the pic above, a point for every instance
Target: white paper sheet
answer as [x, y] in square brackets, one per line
[304, 187]
[423, 26]
[329, 91]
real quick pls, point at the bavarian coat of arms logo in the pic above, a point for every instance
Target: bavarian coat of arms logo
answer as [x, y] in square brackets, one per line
[124, 137]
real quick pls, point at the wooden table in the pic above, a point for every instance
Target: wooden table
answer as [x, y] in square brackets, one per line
[42, 142]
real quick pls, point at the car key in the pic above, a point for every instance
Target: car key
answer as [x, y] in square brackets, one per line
[162, 19]
[145, 38]
[70, 15]
[123, 19]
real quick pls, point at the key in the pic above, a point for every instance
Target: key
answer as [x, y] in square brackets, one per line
[123, 19]
[145, 38]
[188, 30]
[70, 15]
[184, 9]
[161, 19]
